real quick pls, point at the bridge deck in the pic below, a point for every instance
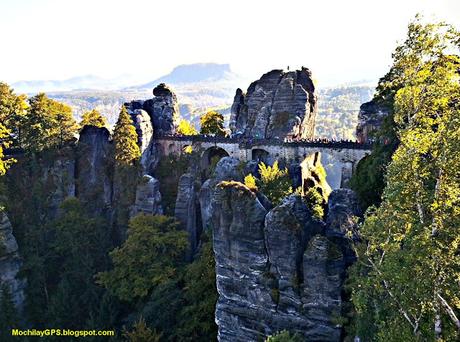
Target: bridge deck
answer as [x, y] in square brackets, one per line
[246, 143]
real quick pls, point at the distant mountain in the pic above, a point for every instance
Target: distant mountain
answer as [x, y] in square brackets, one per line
[85, 82]
[195, 73]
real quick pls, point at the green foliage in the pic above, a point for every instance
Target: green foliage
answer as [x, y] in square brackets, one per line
[47, 124]
[284, 336]
[212, 123]
[369, 178]
[186, 128]
[274, 183]
[406, 279]
[142, 333]
[169, 170]
[196, 319]
[79, 251]
[125, 137]
[315, 202]
[93, 118]
[13, 109]
[156, 247]
[8, 314]
[250, 182]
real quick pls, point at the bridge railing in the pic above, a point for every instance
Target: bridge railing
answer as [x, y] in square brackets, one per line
[251, 142]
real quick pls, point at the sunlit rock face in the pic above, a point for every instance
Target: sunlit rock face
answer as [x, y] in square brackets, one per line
[144, 128]
[370, 119]
[163, 110]
[10, 263]
[278, 105]
[279, 269]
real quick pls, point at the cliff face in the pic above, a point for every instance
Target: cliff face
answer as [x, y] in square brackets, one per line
[163, 110]
[370, 119]
[278, 105]
[10, 262]
[279, 269]
[94, 169]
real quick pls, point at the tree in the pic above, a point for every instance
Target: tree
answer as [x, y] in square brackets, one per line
[79, 248]
[196, 319]
[212, 123]
[156, 246]
[274, 183]
[405, 285]
[12, 111]
[47, 124]
[315, 202]
[8, 314]
[125, 137]
[142, 333]
[93, 118]
[65, 126]
[186, 128]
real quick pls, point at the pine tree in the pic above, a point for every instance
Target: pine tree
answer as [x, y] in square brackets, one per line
[47, 124]
[93, 118]
[142, 333]
[125, 137]
[156, 246]
[65, 126]
[8, 314]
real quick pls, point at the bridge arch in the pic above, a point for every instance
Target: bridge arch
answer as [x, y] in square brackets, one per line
[260, 155]
[211, 156]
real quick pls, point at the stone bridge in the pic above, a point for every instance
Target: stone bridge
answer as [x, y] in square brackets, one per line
[338, 158]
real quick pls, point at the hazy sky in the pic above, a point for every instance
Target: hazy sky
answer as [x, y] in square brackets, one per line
[338, 40]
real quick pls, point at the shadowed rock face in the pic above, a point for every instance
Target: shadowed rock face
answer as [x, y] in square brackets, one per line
[278, 105]
[186, 210]
[94, 168]
[10, 262]
[148, 197]
[370, 118]
[277, 269]
[343, 209]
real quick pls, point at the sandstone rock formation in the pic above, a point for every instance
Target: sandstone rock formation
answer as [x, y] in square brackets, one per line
[279, 269]
[187, 209]
[144, 128]
[148, 197]
[94, 169]
[370, 119]
[10, 263]
[163, 110]
[59, 178]
[226, 169]
[278, 105]
[343, 209]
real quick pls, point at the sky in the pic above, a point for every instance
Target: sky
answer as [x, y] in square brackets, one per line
[340, 41]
